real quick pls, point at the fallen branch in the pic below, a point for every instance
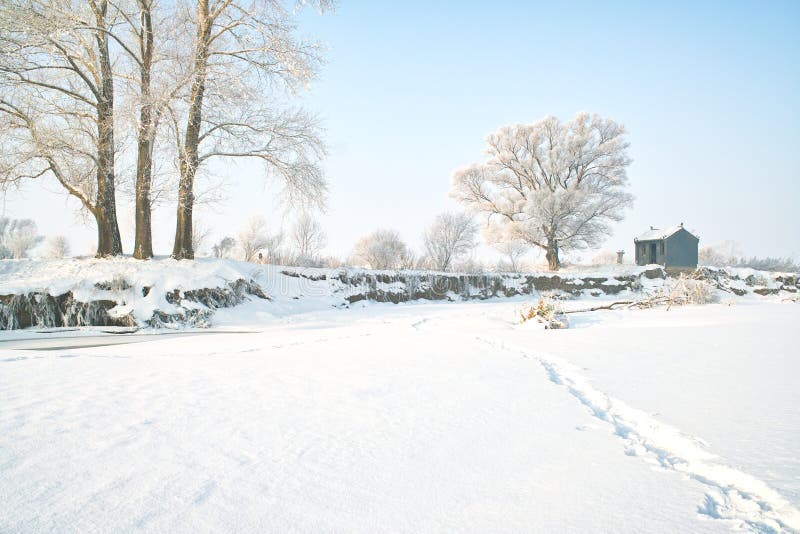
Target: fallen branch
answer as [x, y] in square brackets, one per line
[606, 307]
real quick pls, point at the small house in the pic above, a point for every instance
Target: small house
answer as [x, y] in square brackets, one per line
[674, 247]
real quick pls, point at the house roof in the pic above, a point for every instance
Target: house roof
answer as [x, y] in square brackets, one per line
[655, 233]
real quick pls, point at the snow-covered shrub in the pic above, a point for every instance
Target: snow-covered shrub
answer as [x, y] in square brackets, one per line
[545, 311]
[680, 291]
[688, 290]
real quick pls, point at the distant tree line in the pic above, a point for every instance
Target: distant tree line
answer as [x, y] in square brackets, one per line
[727, 255]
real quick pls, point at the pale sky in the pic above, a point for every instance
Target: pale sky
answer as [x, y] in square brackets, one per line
[710, 96]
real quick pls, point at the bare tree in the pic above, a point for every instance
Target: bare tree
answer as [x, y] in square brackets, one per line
[57, 247]
[241, 52]
[308, 238]
[382, 249]
[57, 102]
[17, 237]
[556, 186]
[449, 238]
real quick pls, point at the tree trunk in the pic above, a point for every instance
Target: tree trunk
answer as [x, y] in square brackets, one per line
[143, 245]
[553, 263]
[182, 249]
[108, 242]
[190, 159]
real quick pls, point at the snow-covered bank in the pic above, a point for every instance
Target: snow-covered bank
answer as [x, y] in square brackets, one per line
[414, 418]
[125, 292]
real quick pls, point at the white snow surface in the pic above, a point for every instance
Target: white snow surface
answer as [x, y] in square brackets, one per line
[447, 417]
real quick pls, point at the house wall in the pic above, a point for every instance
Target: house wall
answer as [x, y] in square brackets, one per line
[644, 258]
[681, 250]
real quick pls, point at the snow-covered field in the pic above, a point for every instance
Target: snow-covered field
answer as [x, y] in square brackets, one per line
[443, 417]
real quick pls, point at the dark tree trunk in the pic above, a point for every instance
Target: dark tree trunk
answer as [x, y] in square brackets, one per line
[108, 242]
[553, 263]
[143, 245]
[190, 159]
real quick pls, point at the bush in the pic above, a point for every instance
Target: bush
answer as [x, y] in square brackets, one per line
[545, 311]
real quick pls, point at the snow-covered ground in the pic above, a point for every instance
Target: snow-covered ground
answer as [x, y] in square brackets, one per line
[446, 417]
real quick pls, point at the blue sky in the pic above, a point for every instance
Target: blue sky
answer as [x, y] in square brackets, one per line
[709, 94]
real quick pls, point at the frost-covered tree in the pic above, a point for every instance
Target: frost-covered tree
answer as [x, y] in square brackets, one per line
[17, 237]
[57, 102]
[448, 239]
[244, 58]
[224, 248]
[554, 185]
[308, 239]
[57, 247]
[382, 249]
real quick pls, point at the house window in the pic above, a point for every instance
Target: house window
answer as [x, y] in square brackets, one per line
[662, 248]
[644, 250]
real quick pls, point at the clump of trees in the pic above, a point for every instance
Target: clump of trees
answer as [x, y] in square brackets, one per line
[17, 237]
[553, 185]
[190, 80]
